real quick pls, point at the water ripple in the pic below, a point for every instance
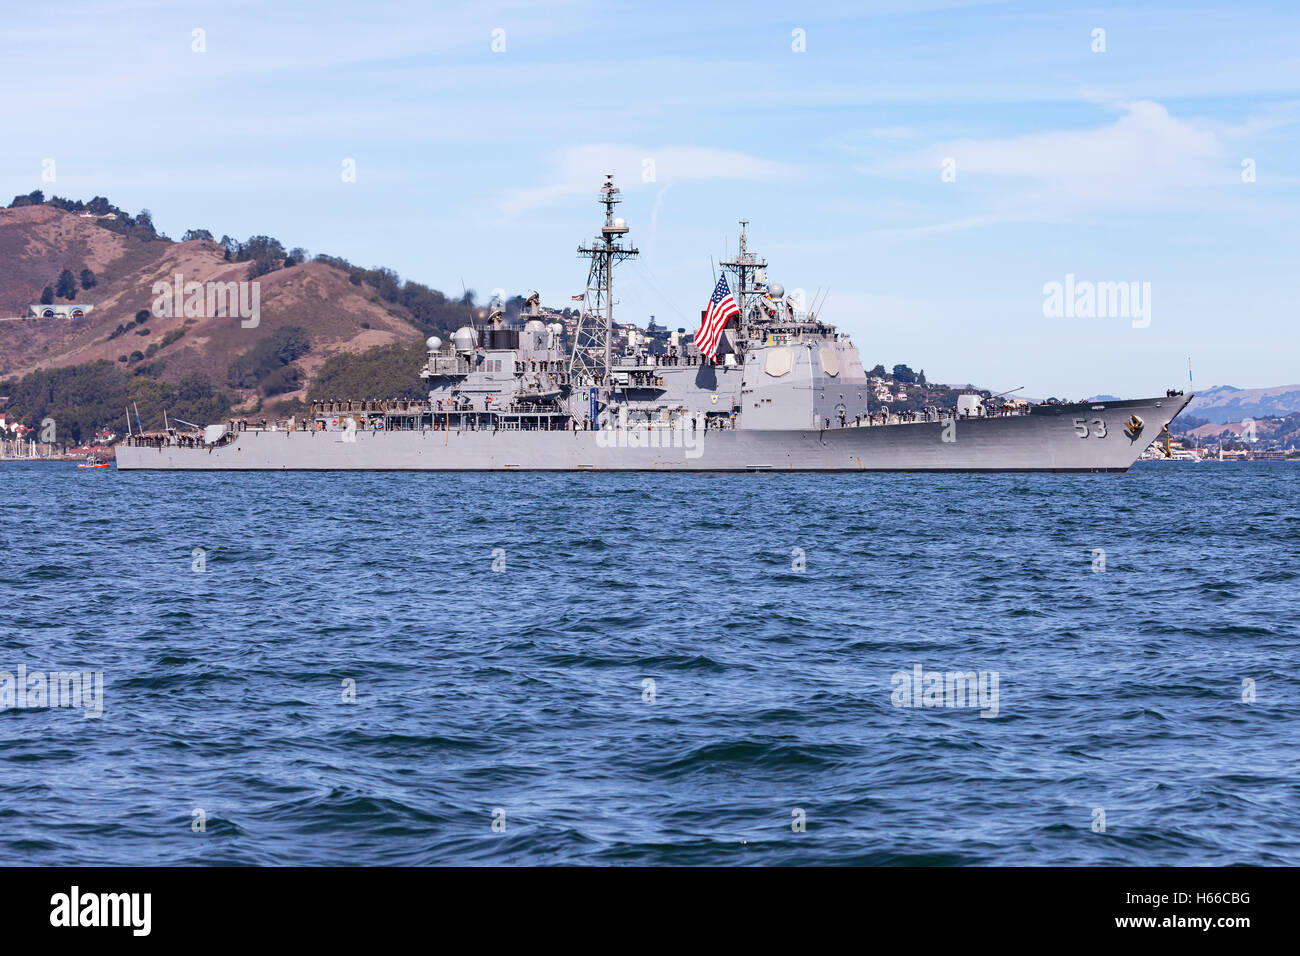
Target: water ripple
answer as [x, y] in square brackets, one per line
[661, 670]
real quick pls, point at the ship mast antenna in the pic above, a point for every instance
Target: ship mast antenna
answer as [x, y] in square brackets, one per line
[590, 362]
[744, 265]
[464, 297]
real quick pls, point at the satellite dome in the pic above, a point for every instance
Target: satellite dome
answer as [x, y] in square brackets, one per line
[775, 290]
[433, 343]
[464, 338]
[534, 325]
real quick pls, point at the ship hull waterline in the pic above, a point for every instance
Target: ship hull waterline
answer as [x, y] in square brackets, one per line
[1081, 437]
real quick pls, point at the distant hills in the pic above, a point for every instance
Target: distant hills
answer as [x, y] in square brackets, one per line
[320, 321]
[1222, 404]
[1226, 404]
[318, 316]
[39, 242]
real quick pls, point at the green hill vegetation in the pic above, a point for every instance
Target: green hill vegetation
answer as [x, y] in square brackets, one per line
[83, 398]
[267, 360]
[383, 372]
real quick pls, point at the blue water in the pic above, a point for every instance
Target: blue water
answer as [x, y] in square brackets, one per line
[517, 695]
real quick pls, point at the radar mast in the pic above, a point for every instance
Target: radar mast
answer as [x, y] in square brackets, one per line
[744, 265]
[593, 339]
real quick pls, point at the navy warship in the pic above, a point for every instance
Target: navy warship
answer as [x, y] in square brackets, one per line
[764, 385]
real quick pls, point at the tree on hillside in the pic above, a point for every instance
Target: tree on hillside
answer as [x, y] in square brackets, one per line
[904, 375]
[386, 282]
[33, 198]
[192, 234]
[88, 280]
[143, 227]
[67, 285]
[431, 309]
[195, 387]
[80, 398]
[194, 399]
[47, 296]
[385, 371]
[261, 247]
[878, 371]
[265, 253]
[286, 379]
[260, 267]
[277, 350]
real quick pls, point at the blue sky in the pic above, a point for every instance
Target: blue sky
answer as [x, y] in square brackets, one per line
[473, 164]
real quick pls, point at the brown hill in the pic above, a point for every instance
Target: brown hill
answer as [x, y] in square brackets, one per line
[1281, 430]
[37, 242]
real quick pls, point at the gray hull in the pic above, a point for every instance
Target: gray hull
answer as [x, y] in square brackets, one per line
[1055, 438]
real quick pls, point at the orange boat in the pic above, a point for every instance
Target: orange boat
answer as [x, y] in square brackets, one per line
[94, 463]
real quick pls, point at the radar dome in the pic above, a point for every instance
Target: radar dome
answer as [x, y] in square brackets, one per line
[464, 338]
[775, 290]
[534, 325]
[433, 343]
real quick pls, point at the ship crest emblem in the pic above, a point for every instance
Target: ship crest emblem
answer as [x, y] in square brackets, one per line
[1133, 427]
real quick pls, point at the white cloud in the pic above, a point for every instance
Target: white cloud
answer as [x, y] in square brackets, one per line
[1145, 157]
[579, 170]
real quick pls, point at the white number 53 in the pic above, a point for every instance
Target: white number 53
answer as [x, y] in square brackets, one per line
[1098, 428]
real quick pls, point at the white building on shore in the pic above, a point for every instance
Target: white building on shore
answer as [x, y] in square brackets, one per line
[71, 311]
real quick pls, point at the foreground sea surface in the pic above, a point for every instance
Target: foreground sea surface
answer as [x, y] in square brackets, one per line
[653, 669]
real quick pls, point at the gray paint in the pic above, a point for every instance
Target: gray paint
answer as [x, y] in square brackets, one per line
[1045, 440]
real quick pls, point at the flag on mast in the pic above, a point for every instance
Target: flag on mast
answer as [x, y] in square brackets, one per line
[722, 306]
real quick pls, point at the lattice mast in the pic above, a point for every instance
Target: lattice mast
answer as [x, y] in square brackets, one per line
[746, 267]
[593, 339]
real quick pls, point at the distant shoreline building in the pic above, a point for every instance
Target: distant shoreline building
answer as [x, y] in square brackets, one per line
[73, 311]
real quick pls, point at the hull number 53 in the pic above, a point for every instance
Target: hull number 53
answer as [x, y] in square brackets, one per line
[1098, 429]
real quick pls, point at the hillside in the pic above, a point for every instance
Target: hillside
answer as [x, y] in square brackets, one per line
[1222, 404]
[37, 242]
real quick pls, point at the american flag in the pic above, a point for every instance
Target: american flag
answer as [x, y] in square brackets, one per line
[578, 298]
[721, 307]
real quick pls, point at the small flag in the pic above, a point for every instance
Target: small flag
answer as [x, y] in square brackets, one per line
[721, 308]
[578, 298]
